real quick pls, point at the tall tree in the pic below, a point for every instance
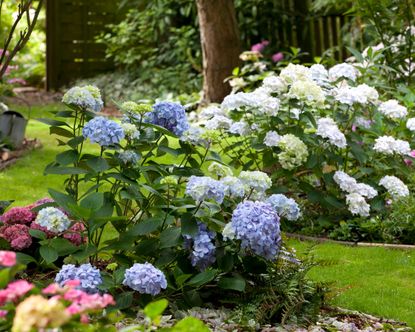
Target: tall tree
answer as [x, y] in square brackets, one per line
[219, 36]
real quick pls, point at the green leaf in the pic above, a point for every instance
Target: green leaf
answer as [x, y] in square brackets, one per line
[67, 157]
[146, 227]
[49, 254]
[98, 164]
[190, 324]
[93, 201]
[37, 234]
[202, 278]
[62, 199]
[235, 283]
[51, 122]
[170, 237]
[356, 54]
[124, 300]
[63, 246]
[24, 258]
[60, 131]
[51, 169]
[189, 224]
[156, 308]
[85, 251]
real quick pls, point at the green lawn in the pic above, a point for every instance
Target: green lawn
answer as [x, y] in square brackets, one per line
[374, 280]
[378, 281]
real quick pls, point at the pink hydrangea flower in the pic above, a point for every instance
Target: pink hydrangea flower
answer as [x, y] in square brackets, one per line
[36, 226]
[260, 46]
[18, 215]
[7, 258]
[408, 162]
[74, 234]
[17, 235]
[412, 153]
[14, 291]
[3, 313]
[52, 289]
[277, 57]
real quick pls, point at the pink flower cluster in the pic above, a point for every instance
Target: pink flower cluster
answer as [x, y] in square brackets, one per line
[80, 301]
[7, 258]
[14, 291]
[260, 46]
[19, 220]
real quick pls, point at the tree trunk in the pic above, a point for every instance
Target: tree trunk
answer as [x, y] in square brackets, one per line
[219, 37]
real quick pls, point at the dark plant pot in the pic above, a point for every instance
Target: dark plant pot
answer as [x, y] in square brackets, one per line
[13, 127]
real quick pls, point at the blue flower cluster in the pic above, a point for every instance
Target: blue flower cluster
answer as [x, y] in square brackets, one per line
[171, 116]
[257, 225]
[286, 207]
[129, 157]
[201, 188]
[145, 279]
[53, 220]
[103, 131]
[89, 276]
[203, 247]
[87, 97]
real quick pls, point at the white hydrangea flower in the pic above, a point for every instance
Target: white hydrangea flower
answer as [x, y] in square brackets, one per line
[218, 122]
[361, 94]
[394, 186]
[357, 205]
[210, 111]
[237, 83]
[319, 74]
[393, 110]
[327, 128]
[344, 94]
[194, 136]
[349, 185]
[410, 124]
[343, 70]
[256, 180]
[219, 170]
[272, 138]
[308, 92]
[293, 152]
[293, 73]
[234, 187]
[390, 145]
[240, 128]
[362, 122]
[274, 84]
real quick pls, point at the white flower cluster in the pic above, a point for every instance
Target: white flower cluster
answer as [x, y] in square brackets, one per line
[356, 193]
[293, 152]
[361, 94]
[410, 124]
[259, 100]
[240, 128]
[343, 70]
[327, 128]
[274, 84]
[390, 145]
[293, 73]
[319, 74]
[393, 110]
[308, 92]
[395, 187]
[272, 138]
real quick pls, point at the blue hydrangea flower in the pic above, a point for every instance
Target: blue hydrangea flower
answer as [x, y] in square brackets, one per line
[286, 207]
[87, 97]
[145, 279]
[128, 157]
[103, 131]
[169, 115]
[202, 246]
[53, 220]
[89, 276]
[257, 225]
[201, 188]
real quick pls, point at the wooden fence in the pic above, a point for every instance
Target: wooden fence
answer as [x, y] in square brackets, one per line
[71, 28]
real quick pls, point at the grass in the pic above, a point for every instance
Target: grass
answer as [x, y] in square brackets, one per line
[378, 281]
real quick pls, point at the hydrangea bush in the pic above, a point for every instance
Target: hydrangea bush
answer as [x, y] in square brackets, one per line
[180, 218]
[325, 138]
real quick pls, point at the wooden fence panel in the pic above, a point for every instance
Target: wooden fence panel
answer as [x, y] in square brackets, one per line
[71, 29]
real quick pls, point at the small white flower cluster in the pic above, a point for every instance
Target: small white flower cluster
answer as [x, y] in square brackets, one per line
[410, 124]
[308, 92]
[218, 122]
[272, 138]
[390, 145]
[240, 128]
[293, 73]
[395, 187]
[356, 193]
[393, 110]
[293, 153]
[361, 94]
[319, 74]
[343, 70]
[274, 84]
[361, 122]
[327, 128]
